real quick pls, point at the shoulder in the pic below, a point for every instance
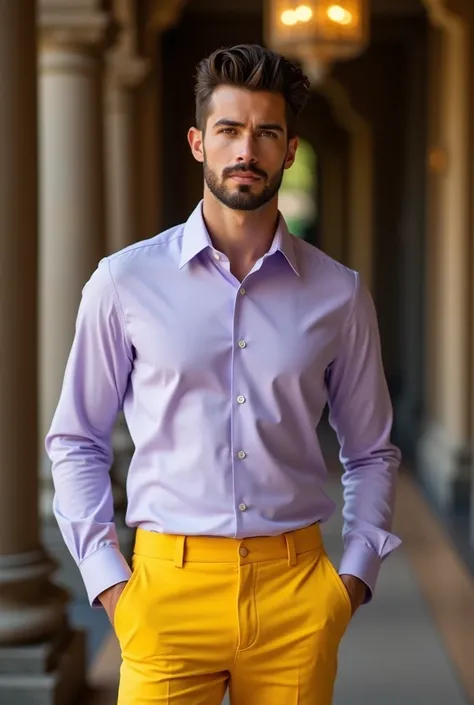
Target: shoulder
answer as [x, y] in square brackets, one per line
[133, 263]
[323, 269]
[161, 248]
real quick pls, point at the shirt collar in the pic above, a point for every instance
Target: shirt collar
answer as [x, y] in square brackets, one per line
[196, 239]
[284, 243]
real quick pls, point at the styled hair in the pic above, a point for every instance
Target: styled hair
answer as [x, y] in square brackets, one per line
[254, 68]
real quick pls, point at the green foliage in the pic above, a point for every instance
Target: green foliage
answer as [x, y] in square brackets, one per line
[303, 174]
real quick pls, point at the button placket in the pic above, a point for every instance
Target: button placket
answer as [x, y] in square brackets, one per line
[239, 454]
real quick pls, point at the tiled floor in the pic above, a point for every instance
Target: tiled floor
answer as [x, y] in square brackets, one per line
[414, 645]
[394, 652]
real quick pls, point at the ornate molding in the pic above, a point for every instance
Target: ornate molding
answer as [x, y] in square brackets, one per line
[74, 23]
[123, 74]
[125, 69]
[125, 14]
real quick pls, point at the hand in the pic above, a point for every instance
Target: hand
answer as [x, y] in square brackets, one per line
[109, 599]
[356, 589]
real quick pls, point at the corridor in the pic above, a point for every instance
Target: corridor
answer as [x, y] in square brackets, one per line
[97, 99]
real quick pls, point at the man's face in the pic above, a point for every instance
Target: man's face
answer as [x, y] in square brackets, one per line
[245, 149]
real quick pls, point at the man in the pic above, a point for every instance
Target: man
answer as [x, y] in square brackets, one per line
[222, 339]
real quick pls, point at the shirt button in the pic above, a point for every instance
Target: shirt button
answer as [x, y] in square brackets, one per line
[242, 291]
[241, 399]
[242, 344]
[216, 255]
[243, 507]
[241, 454]
[243, 551]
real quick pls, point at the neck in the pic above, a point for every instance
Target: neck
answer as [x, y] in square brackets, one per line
[243, 236]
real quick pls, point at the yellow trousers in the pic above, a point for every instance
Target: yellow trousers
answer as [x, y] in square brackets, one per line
[262, 616]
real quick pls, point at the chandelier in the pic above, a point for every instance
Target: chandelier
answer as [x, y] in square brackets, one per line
[317, 32]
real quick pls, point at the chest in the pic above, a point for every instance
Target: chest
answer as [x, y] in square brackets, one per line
[198, 326]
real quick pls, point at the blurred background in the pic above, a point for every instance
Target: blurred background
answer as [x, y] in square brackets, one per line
[96, 99]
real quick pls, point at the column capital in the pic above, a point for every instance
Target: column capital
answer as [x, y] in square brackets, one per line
[74, 23]
[124, 70]
[124, 73]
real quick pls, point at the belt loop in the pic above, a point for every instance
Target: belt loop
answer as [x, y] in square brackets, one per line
[290, 545]
[179, 551]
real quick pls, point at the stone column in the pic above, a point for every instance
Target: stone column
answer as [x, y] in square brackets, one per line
[412, 236]
[156, 17]
[360, 247]
[125, 71]
[40, 660]
[121, 184]
[72, 224]
[445, 454]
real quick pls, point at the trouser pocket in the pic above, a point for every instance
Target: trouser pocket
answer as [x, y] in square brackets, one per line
[340, 591]
[125, 606]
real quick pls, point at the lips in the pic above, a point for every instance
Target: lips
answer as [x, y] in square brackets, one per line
[245, 177]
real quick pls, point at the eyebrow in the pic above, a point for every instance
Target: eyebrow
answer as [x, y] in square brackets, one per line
[265, 126]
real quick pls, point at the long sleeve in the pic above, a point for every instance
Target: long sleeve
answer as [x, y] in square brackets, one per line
[361, 415]
[79, 440]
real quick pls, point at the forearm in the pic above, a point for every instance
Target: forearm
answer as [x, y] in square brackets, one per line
[83, 507]
[369, 503]
[361, 413]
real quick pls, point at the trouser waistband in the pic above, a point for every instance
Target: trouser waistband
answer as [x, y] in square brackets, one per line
[215, 549]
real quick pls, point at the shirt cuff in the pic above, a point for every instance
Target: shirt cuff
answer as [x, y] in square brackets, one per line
[362, 562]
[103, 569]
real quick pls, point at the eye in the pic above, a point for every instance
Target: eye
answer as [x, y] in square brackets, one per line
[267, 133]
[228, 130]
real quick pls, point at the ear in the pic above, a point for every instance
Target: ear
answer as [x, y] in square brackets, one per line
[291, 152]
[196, 142]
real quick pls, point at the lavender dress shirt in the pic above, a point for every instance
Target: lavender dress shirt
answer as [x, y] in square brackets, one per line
[222, 384]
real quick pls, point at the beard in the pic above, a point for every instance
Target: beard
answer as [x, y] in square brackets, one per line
[242, 199]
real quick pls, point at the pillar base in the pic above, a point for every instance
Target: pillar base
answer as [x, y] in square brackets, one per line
[48, 673]
[445, 468]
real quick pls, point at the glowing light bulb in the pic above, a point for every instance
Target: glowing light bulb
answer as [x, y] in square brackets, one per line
[289, 17]
[337, 14]
[303, 13]
[347, 18]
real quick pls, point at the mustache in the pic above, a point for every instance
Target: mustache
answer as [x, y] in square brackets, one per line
[229, 170]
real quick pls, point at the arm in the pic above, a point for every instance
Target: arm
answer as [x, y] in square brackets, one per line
[361, 414]
[79, 440]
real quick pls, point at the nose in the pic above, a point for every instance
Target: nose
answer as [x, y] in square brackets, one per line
[246, 150]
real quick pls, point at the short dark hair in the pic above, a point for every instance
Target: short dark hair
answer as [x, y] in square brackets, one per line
[255, 68]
